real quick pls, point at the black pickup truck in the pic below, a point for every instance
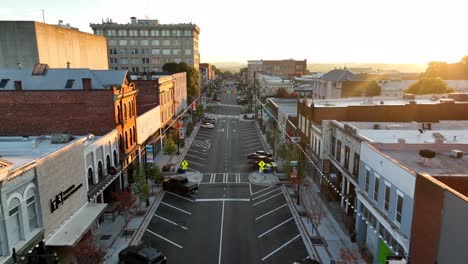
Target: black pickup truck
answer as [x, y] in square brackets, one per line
[179, 185]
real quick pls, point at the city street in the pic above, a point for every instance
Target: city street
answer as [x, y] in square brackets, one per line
[229, 220]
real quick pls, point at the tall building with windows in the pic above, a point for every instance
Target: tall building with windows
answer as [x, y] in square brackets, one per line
[145, 45]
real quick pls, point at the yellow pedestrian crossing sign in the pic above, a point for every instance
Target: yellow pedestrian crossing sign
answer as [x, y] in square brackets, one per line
[261, 164]
[184, 164]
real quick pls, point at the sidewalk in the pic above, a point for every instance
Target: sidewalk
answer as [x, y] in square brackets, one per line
[113, 236]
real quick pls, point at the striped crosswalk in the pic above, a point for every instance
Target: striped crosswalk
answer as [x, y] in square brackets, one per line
[217, 178]
[201, 143]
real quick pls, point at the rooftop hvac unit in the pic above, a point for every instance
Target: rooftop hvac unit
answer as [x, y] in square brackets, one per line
[456, 153]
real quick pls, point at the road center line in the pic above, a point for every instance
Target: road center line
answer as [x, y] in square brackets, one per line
[177, 245]
[221, 236]
[276, 250]
[267, 198]
[265, 214]
[263, 190]
[264, 194]
[275, 227]
[180, 196]
[183, 211]
[169, 221]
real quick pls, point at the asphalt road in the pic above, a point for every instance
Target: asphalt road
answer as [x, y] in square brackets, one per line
[229, 220]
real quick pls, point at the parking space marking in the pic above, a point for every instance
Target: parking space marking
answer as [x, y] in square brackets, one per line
[267, 199]
[264, 194]
[250, 134]
[223, 200]
[252, 148]
[265, 214]
[225, 177]
[180, 196]
[202, 153]
[173, 243]
[196, 163]
[213, 177]
[278, 249]
[169, 221]
[263, 189]
[249, 140]
[197, 157]
[183, 211]
[221, 236]
[238, 177]
[266, 232]
[250, 187]
[192, 195]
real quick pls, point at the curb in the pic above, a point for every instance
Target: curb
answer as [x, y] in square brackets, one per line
[187, 146]
[139, 233]
[304, 234]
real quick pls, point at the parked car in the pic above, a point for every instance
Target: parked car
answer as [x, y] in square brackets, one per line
[207, 125]
[261, 157]
[179, 185]
[208, 120]
[168, 167]
[264, 153]
[141, 254]
[268, 168]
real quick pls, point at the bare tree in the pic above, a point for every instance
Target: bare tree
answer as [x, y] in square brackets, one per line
[87, 251]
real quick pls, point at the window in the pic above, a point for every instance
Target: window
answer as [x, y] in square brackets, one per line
[333, 142]
[99, 32]
[133, 33]
[146, 69]
[111, 32]
[346, 157]
[131, 136]
[338, 151]
[135, 69]
[123, 42]
[166, 42]
[155, 61]
[366, 186]
[155, 52]
[155, 42]
[116, 159]
[126, 140]
[123, 61]
[188, 52]
[123, 51]
[145, 60]
[357, 159]
[166, 52]
[112, 51]
[134, 51]
[69, 83]
[176, 52]
[125, 112]
[144, 42]
[31, 207]
[112, 42]
[376, 189]
[133, 42]
[122, 32]
[399, 208]
[3, 83]
[14, 224]
[144, 33]
[387, 197]
[177, 60]
[165, 33]
[176, 42]
[108, 163]
[100, 171]
[113, 60]
[154, 33]
[135, 60]
[90, 177]
[144, 51]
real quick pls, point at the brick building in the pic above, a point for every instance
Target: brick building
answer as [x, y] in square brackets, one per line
[283, 68]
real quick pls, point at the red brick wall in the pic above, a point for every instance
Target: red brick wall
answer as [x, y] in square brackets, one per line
[425, 229]
[458, 183]
[45, 112]
[148, 95]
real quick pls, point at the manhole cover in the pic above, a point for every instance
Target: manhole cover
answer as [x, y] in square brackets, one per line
[127, 233]
[316, 240]
[140, 213]
[105, 237]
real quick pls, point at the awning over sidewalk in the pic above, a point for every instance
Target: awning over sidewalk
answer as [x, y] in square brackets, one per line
[75, 228]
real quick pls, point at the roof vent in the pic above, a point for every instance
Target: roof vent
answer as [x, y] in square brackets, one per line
[61, 138]
[376, 126]
[456, 153]
[447, 101]
[40, 69]
[401, 140]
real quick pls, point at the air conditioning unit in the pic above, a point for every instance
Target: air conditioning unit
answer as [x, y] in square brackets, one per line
[456, 153]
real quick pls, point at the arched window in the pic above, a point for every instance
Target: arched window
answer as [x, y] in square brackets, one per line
[31, 207]
[130, 112]
[125, 112]
[133, 108]
[121, 143]
[100, 172]
[131, 136]
[126, 140]
[90, 177]
[134, 135]
[108, 164]
[14, 222]
[116, 159]
[119, 114]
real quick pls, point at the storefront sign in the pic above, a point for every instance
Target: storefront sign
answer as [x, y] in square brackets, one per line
[149, 153]
[62, 196]
[181, 133]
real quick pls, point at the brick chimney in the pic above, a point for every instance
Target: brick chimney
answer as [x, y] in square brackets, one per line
[18, 86]
[87, 85]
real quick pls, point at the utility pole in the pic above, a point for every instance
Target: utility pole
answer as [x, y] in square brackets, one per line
[43, 17]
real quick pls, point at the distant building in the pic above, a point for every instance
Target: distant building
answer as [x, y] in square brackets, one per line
[284, 68]
[206, 73]
[145, 45]
[270, 85]
[26, 43]
[337, 83]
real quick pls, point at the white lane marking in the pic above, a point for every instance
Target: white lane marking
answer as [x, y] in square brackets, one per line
[221, 236]
[250, 187]
[223, 183]
[224, 179]
[197, 157]
[238, 177]
[180, 196]
[227, 132]
[203, 153]
[192, 195]
[249, 140]
[249, 149]
[173, 243]
[275, 227]
[191, 161]
[264, 194]
[212, 178]
[223, 200]
[169, 221]
[183, 211]
[234, 130]
[267, 199]
[276, 250]
[263, 189]
[265, 214]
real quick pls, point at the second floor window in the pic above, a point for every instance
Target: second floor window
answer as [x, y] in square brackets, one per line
[366, 186]
[376, 189]
[399, 208]
[387, 198]
[357, 159]
[338, 151]
[333, 142]
[346, 158]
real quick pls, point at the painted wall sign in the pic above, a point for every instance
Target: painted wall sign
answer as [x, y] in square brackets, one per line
[62, 196]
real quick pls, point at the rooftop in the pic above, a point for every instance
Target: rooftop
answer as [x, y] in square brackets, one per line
[340, 75]
[359, 101]
[60, 79]
[442, 164]
[22, 150]
[288, 106]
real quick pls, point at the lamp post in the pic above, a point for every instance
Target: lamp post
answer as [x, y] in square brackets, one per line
[178, 136]
[299, 175]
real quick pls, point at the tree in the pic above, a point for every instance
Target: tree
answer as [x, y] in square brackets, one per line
[126, 203]
[170, 147]
[192, 76]
[87, 251]
[140, 188]
[350, 256]
[429, 86]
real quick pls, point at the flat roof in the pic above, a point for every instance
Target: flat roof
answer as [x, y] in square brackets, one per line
[442, 164]
[22, 150]
[363, 101]
[288, 106]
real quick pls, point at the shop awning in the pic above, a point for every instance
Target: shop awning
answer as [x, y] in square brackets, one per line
[77, 226]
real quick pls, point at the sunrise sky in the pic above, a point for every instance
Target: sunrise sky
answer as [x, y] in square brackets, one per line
[360, 31]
